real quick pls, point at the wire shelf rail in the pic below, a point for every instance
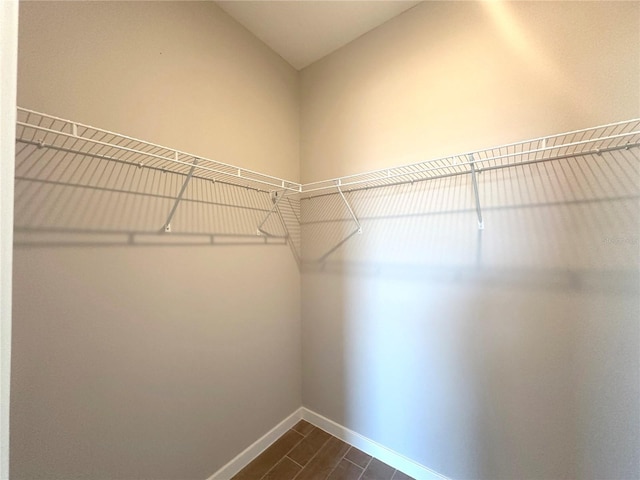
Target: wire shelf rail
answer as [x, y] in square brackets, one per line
[280, 198]
[43, 130]
[595, 140]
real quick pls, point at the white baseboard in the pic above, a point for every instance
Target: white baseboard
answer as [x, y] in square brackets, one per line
[384, 454]
[255, 449]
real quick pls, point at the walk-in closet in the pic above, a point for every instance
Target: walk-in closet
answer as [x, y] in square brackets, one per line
[320, 240]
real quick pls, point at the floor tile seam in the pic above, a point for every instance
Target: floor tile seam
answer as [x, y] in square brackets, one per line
[339, 462]
[336, 466]
[305, 436]
[351, 461]
[313, 456]
[285, 455]
[394, 473]
[343, 458]
[289, 458]
[365, 468]
[274, 466]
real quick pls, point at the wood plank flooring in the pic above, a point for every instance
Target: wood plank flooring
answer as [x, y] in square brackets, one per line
[308, 453]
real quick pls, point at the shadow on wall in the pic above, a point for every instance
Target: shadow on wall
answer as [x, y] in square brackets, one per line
[66, 198]
[510, 352]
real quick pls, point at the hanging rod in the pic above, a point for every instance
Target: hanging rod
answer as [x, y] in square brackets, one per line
[43, 130]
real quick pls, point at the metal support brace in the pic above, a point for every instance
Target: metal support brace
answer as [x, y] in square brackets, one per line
[167, 224]
[345, 239]
[353, 215]
[294, 251]
[273, 209]
[475, 191]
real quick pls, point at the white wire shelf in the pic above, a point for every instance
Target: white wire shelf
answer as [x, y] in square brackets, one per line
[589, 141]
[75, 182]
[43, 130]
[46, 131]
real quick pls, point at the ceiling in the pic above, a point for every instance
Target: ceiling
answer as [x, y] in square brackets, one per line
[304, 31]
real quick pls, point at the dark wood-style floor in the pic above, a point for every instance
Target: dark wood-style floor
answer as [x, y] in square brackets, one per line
[306, 452]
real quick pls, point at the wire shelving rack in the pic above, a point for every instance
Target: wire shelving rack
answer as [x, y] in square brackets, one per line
[595, 140]
[47, 131]
[42, 131]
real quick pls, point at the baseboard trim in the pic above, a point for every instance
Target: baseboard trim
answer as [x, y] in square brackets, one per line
[382, 453]
[256, 448]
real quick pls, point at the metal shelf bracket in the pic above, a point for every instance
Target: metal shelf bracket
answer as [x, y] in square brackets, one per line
[353, 215]
[167, 224]
[275, 198]
[475, 192]
[358, 229]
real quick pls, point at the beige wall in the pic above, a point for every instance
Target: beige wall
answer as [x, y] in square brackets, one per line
[448, 77]
[183, 74]
[149, 361]
[507, 353]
